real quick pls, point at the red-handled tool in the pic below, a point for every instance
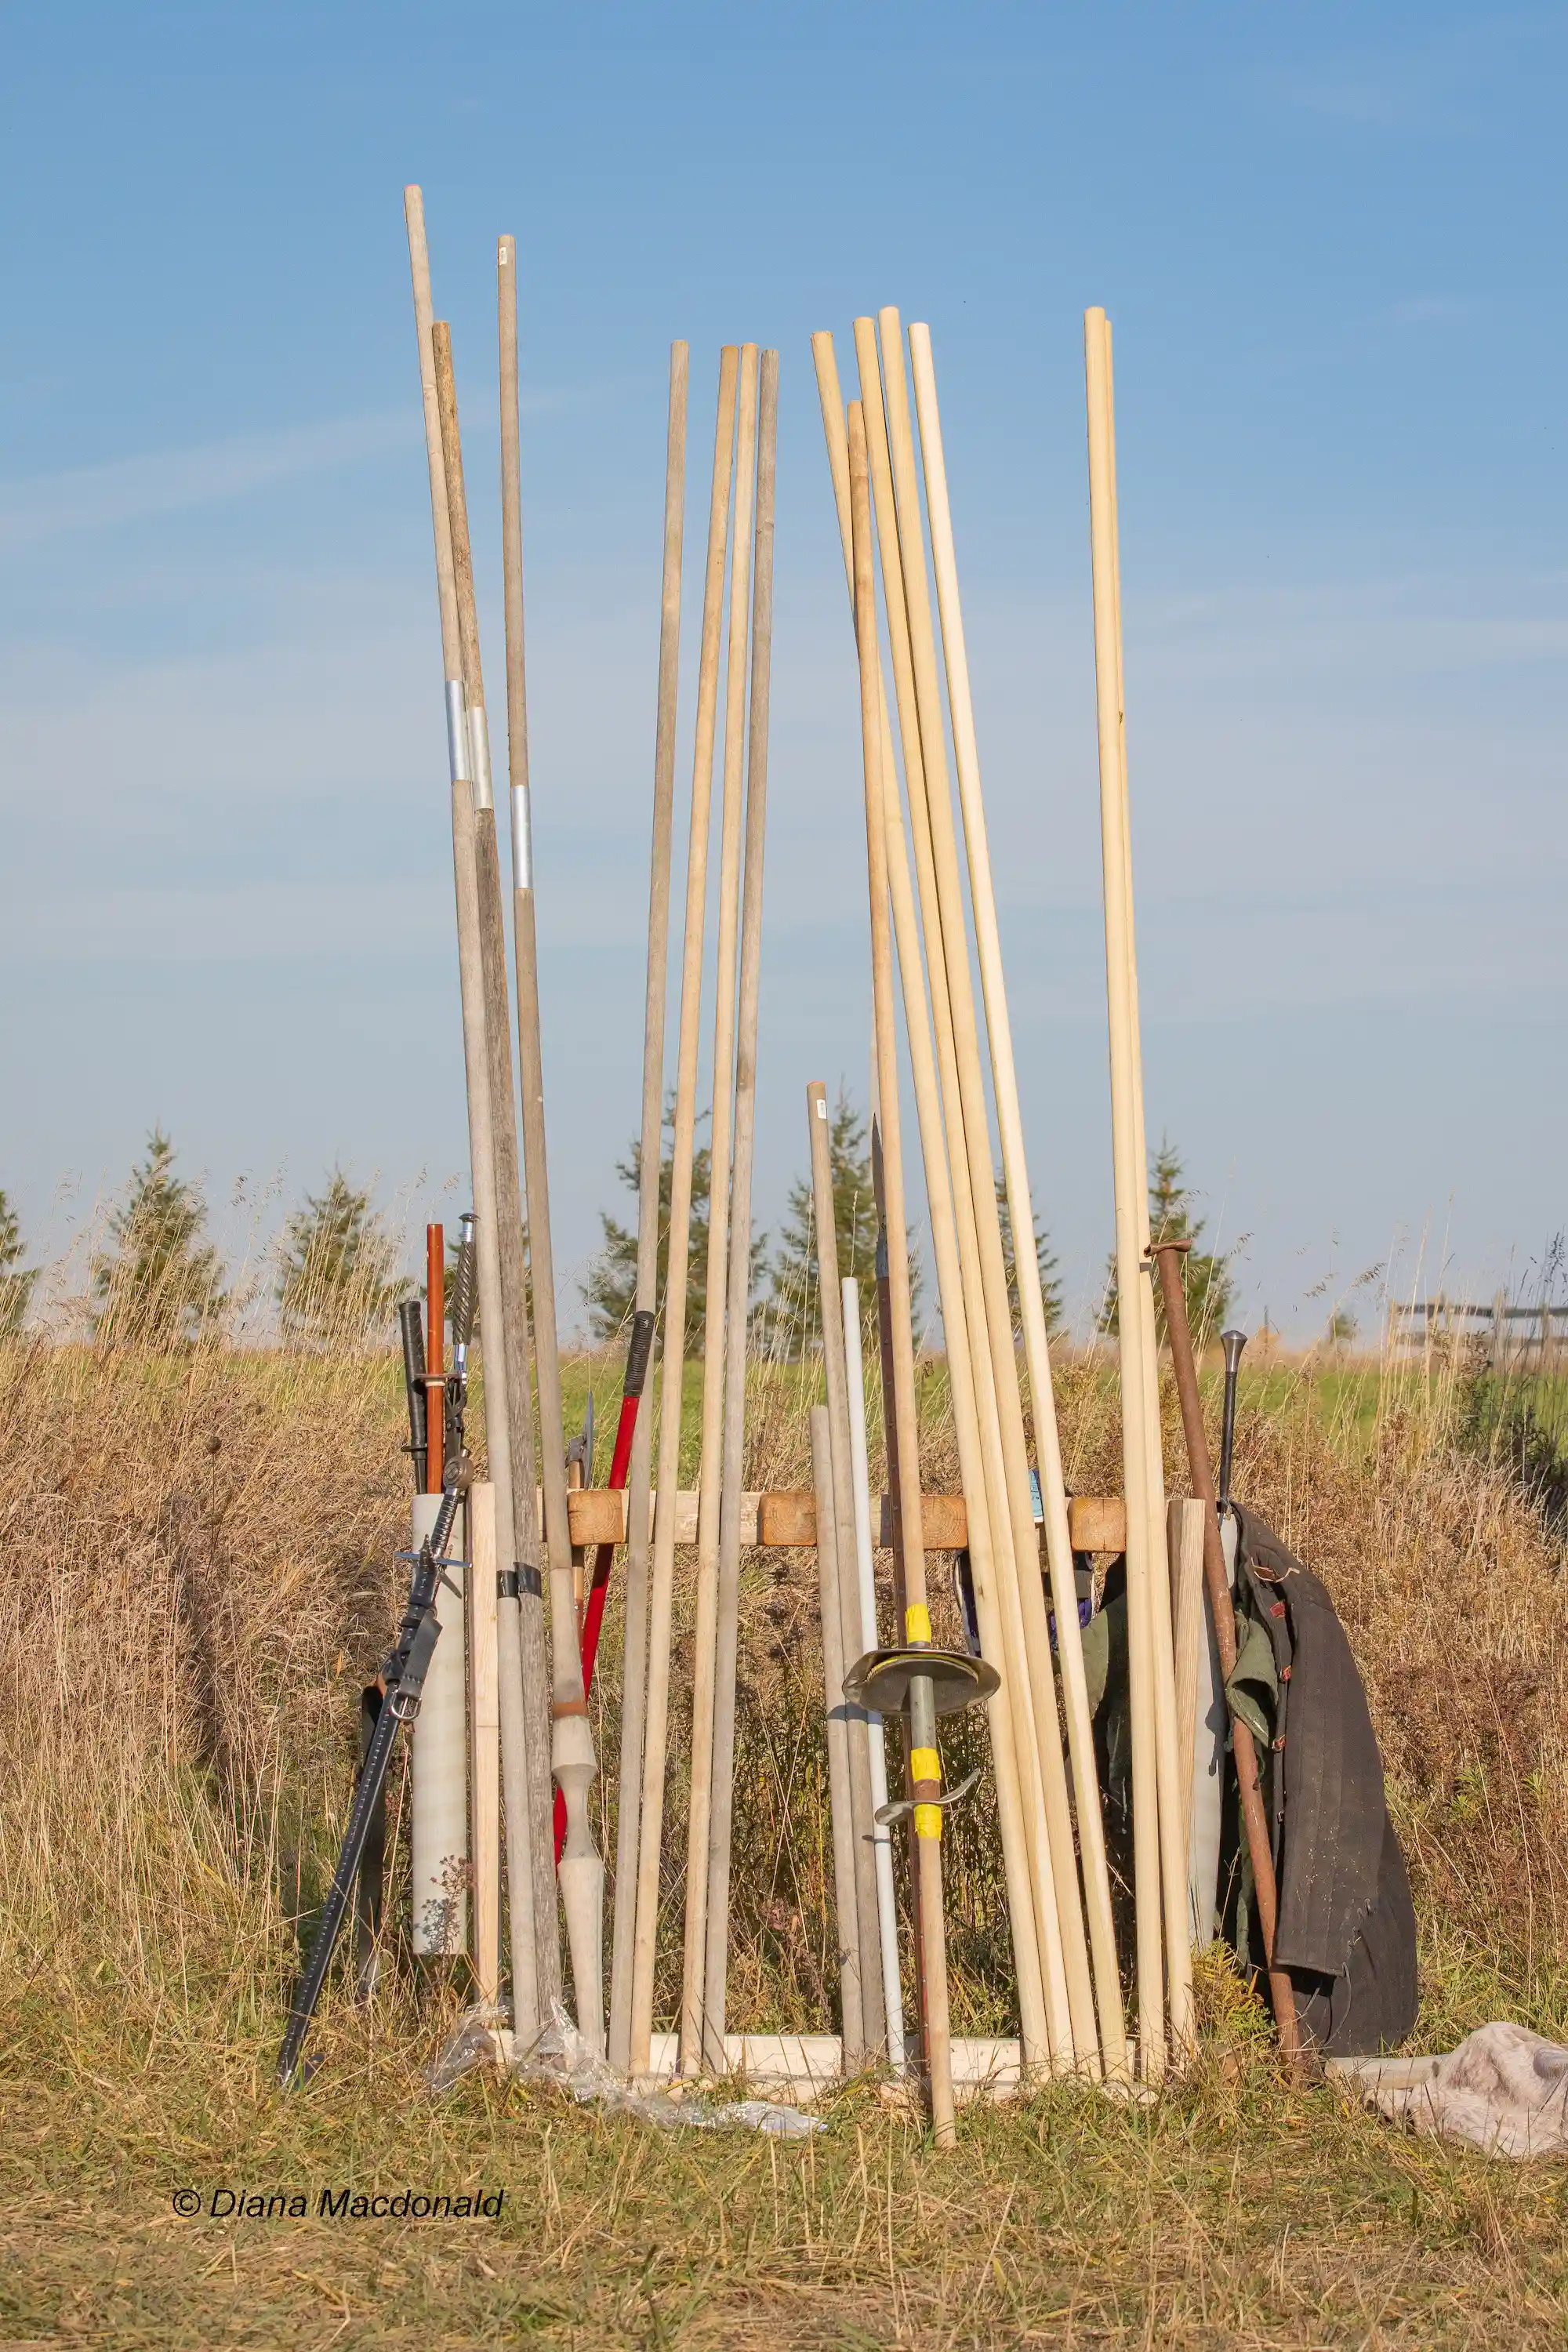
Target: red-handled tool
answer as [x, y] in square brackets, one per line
[637, 1357]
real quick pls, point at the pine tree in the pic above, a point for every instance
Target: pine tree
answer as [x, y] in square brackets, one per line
[794, 1308]
[1044, 1259]
[1207, 1278]
[162, 1284]
[16, 1281]
[609, 1289]
[338, 1279]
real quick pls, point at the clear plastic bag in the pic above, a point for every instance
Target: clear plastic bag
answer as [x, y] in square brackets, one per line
[561, 2059]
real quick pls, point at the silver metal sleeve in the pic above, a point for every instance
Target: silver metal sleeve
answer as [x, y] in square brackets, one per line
[457, 732]
[522, 838]
[480, 746]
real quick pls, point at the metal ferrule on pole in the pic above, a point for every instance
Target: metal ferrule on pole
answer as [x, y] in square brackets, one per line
[479, 750]
[522, 838]
[457, 733]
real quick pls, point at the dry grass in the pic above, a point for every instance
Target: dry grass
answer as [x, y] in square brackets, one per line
[200, 1552]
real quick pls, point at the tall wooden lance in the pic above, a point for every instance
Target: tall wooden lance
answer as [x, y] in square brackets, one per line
[727, 1637]
[1021, 1214]
[1010, 1808]
[634, 1662]
[581, 1871]
[656, 1736]
[887, 427]
[526, 1988]
[716, 1339]
[1153, 1768]
[1025, 1625]
[921, 1689]
[1175, 1778]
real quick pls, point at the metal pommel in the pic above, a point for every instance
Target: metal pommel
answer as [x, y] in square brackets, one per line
[881, 1681]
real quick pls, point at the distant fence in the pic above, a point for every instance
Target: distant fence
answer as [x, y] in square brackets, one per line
[1508, 1334]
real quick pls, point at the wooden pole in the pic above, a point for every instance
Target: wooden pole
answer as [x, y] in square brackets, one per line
[1021, 1213]
[526, 2010]
[881, 1834]
[1222, 1609]
[851, 1647]
[900, 1435]
[940, 1202]
[660, 1616]
[720, 1139]
[1130, 1187]
[484, 1733]
[1031, 1677]
[740, 1274]
[634, 1664]
[1174, 1785]
[513, 1318]
[581, 1871]
[841, 1813]
[901, 1411]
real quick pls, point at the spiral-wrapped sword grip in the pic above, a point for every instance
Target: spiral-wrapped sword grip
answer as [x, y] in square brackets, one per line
[465, 1287]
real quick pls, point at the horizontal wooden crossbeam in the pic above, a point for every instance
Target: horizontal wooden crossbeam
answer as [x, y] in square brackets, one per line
[787, 1519]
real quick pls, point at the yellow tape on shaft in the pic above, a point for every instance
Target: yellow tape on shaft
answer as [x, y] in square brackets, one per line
[928, 1822]
[917, 1622]
[925, 1764]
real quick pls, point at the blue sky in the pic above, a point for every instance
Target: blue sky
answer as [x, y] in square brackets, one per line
[1329, 240]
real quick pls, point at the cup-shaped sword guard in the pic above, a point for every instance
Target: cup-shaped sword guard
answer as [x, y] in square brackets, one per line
[880, 1682]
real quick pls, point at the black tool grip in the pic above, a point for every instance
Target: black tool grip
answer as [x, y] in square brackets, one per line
[639, 1351]
[464, 1286]
[411, 1324]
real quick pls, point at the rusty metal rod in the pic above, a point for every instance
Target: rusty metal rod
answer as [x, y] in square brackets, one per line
[1167, 1256]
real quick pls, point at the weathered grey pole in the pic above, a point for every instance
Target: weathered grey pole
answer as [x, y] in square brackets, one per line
[514, 1762]
[513, 1300]
[581, 1871]
[846, 1903]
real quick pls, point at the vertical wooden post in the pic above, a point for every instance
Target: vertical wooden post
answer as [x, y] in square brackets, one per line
[661, 1607]
[484, 1733]
[694, 1955]
[739, 1275]
[634, 1661]
[835, 1371]
[851, 1968]
[581, 1871]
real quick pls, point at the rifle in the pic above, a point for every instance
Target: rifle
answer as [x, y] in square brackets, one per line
[402, 1682]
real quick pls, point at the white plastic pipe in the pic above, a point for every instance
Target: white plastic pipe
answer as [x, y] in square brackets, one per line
[882, 1840]
[439, 1771]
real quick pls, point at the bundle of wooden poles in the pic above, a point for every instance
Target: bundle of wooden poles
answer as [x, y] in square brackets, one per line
[933, 922]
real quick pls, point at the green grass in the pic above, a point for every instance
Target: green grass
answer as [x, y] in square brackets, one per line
[176, 1749]
[1235, 2213]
